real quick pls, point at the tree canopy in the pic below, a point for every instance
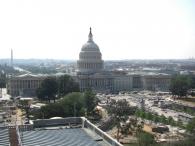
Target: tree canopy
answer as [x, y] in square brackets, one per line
[145, 139]
[180, 84]
[119, 111]
[191, 126]
[25, 105]
[90, 101]
[192, 81]
[53, 87]
[48, 89]
[69, 106]
[2, 80]
[8, 69]
[73, 104]
[66, 84]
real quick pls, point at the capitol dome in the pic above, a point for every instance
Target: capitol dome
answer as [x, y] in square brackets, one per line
[90, 57]
[90, 46]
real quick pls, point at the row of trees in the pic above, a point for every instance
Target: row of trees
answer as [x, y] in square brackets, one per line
[8, 69]
[38, 69]
[158, 118]
[73, 104]
[53, 87]
[120, 111]
[146, 139]
[56, 87]
[190, 127]
[180, 108]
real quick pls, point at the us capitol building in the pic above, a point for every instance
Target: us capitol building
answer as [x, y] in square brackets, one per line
[91, 74]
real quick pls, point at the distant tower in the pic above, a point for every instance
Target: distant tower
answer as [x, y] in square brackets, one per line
[11, 58]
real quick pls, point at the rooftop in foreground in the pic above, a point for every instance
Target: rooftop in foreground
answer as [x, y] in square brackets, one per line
[61, 137]
[72, 131]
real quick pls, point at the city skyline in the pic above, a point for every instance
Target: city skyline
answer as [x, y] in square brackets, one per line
[48, 29]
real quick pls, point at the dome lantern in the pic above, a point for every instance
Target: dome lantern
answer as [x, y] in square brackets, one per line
[90, 36]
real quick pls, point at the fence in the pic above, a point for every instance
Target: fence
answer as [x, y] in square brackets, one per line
[101, 133]
[57, 122]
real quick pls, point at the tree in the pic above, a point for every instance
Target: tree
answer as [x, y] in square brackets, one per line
[180, 84]
[142, 114]
[192, 77]
[119, 111]
[66, 84]
[70, 105]
[48, 89]
[40, 93]
[156, 118]
[149, 116]
[2, 82]
[171, 121]
[25, 105]
[138, 113]
[132, 126]
[163, 119]
[51, 110]
[191, 126]
[179, 123]
[145, 139]
[73, 104]
[90, 101]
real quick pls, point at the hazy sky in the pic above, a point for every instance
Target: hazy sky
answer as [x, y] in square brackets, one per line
[123, 29]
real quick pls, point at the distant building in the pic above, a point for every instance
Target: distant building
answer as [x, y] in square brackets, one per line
[90, 66]
[91, 74]
[122, 83]
[24, 85]
[156, 82]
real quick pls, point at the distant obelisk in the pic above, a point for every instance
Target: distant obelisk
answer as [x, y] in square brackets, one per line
[11, 58]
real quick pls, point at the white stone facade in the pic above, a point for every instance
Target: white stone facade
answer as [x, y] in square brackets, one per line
[24, 85]
[91, 74]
